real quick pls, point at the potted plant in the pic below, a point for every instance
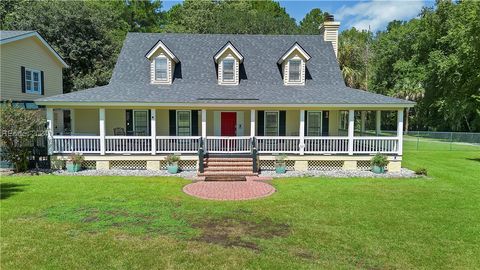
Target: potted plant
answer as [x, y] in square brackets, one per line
[172, 161]
[379, 162]
[74, 162]
[280, 164]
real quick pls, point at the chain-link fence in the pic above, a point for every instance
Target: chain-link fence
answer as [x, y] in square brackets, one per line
[450, 141]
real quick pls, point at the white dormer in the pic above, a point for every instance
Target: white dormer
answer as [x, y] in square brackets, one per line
[228, 61]
[162, 64]
[293, 65]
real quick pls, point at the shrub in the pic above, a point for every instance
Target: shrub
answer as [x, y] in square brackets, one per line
[421, 171]
[172, 159]
[76, 158]
[379, 160]
[20, 128]
[280, 160]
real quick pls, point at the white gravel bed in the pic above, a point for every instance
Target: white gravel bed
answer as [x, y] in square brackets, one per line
[404, 173]
[184, 174]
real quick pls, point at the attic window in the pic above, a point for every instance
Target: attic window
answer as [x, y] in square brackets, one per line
[294, 70]
[228, 66]
[161, 69]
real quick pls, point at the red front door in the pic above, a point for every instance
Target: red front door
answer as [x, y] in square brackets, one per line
[229, 123]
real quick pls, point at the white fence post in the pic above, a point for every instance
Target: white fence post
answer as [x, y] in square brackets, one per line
[50, 130]
[400, 131]
[301, 145]
[101, 116]
[351, 127]
[153, 130]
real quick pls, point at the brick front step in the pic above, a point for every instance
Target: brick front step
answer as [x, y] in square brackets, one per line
[229, 159]
[228, 164]
[226, 178]
[228, 173]
[228, 168]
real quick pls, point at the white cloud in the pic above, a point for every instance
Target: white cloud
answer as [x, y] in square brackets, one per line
[377, 14]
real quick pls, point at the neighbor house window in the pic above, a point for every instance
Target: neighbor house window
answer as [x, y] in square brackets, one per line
[271, 123]
[314, 124]
[140, 122]
[32, 81]
[294, 70]
[228, 70]
[161, 69]
[183, 123]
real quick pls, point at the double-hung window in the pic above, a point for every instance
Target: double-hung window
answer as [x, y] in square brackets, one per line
[314, 123]
[32, 81]
[184, 123]
[161, 69]
[140, 122]
[271, 123]
[294, 71]
[228, 69]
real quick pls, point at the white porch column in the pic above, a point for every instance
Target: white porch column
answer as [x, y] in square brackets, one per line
[204, 124]
[153, 130]
[252, 123]
[351, 127]
[400, 131]
[72, 121]
[101, 117]
[378, 123]
[50, 130]
[301, 132]
[362, 121]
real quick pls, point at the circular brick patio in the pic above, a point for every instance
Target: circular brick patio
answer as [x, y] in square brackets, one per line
[229, 191]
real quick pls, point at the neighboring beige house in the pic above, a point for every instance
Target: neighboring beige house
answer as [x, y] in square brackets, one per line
[29, 69]
[251, 96]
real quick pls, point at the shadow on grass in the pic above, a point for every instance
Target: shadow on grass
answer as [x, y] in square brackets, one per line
[9, 189]
[474, 159]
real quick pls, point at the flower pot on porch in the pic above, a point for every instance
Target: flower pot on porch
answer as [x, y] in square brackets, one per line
[73, 167]
[378, 169]
[172, 168]
[280, 169]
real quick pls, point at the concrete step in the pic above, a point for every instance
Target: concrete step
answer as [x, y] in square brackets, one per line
[228, 168]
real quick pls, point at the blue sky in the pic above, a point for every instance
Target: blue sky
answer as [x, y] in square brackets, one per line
[359, 14]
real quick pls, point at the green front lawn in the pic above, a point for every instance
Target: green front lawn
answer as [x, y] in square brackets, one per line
[53, 222]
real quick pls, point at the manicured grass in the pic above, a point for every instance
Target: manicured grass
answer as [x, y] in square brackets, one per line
[53, 222]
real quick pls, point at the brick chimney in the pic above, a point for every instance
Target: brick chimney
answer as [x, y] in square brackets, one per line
[330, 31]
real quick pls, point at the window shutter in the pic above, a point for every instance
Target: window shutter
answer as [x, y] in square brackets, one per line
[172, 115]
[42, 83]
[261, 123]
[23, 78]
[325, 123]
[282, 126]
[305, 126]
[194, 123]
[129, 122]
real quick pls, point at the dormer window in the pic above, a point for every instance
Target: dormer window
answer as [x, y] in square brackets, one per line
[162, 64]
[294, 71]
[228, 69]
[228, 61]
[293, 65]
[161, 69]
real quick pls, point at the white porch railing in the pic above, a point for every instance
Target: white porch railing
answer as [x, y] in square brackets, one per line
[326, 145]
[372, 145]
[70, 144]
[186, 144]
[128, 144]
[218, 144]
[282, 144]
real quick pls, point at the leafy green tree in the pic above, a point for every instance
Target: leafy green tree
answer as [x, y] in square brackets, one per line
[310, 24]
[354, 55]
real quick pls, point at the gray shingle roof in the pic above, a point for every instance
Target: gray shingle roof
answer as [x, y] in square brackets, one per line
[195, 79]
[11, 34]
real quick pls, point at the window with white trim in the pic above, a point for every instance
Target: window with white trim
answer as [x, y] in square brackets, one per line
[228, 70]
[294, 70]
[314, 123]
[140, 122]
[33, 83]
[184, 123]
[161, 71]
[271, 123]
